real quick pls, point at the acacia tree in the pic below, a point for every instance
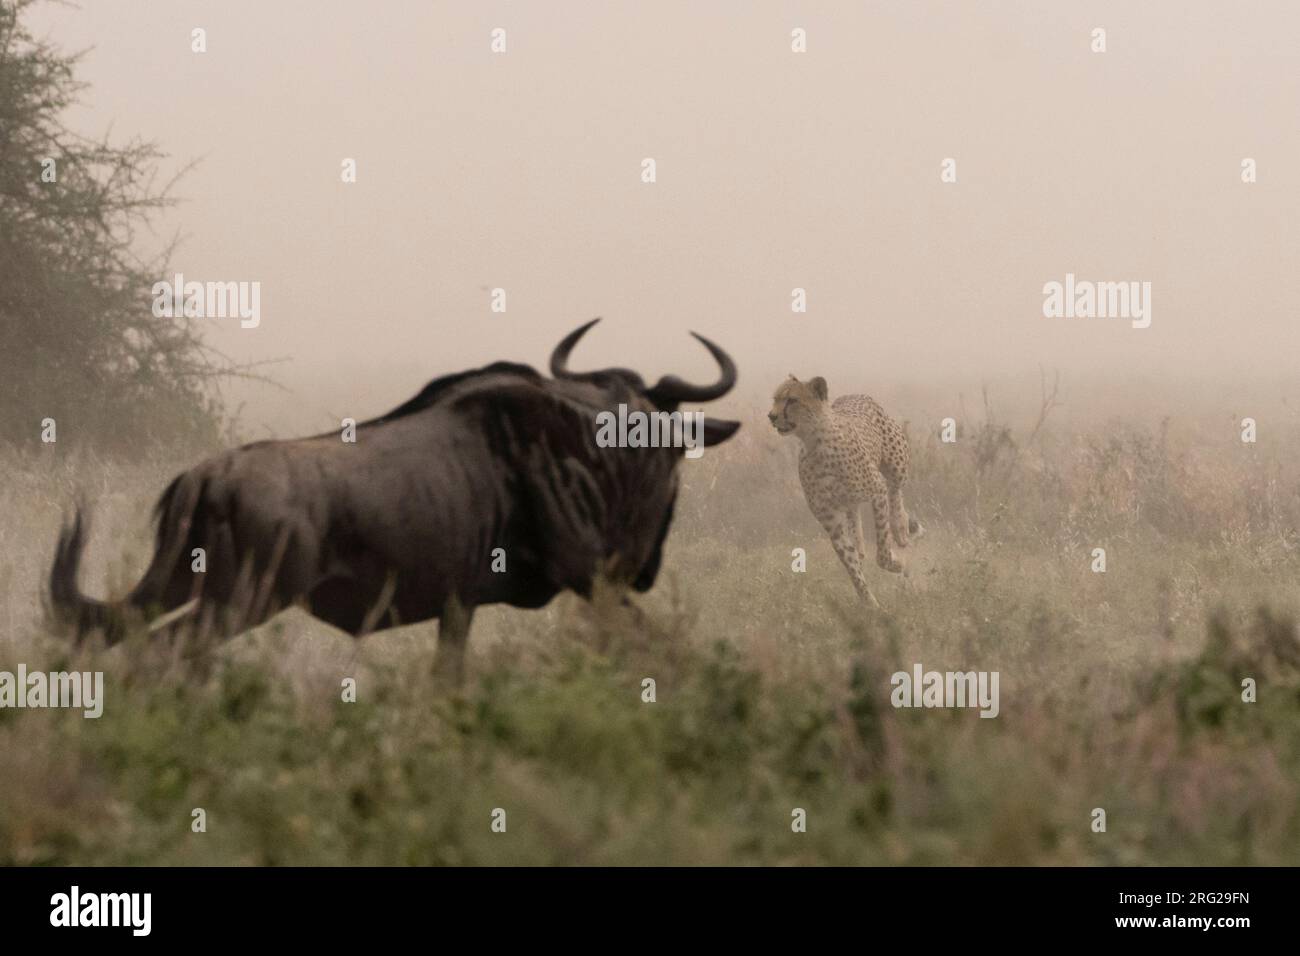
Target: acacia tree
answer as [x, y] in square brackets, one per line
[78, 339]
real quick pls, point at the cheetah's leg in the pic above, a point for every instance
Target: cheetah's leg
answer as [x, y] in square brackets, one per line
[880, 509]
[895, 473]
[898, 520]
[845, 529]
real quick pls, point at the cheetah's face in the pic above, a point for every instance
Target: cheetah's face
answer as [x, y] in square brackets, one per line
[797, 404]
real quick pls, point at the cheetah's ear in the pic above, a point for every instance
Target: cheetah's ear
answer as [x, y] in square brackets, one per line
[818, 386]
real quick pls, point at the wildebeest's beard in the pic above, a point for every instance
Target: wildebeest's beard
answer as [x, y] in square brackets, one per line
[666, 395]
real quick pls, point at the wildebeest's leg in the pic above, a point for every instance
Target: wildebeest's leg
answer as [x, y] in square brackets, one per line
[339, 601]
[453, 634]
[381, 608]
[355, 604]
[247, 584]
[278, 582]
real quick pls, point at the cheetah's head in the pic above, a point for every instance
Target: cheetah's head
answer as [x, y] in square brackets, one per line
[797, 404]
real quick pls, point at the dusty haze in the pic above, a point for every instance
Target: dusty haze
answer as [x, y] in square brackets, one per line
[775, 170]
[1124, 568]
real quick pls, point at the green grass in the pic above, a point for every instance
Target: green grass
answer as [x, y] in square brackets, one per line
[1119, 690]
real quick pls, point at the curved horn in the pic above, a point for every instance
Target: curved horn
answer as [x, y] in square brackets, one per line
[670, 388]
[560, 357]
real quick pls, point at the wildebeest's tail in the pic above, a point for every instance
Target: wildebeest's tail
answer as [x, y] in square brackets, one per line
[112, 617]
[66, 599]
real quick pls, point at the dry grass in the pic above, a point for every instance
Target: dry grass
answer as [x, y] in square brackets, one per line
[1119, 690]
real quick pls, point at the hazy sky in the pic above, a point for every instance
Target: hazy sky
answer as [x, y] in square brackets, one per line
[775, 170]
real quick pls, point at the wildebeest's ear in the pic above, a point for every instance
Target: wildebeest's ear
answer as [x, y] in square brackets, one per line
[818, 386]
[716, 430]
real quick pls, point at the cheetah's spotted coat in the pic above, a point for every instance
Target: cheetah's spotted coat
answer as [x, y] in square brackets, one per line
[853, 453]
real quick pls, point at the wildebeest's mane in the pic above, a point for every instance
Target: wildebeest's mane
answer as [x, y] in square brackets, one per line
[497, 392]
[427, 396]
[439, 386]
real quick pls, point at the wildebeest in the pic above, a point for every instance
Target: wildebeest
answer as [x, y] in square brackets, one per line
[488, 486]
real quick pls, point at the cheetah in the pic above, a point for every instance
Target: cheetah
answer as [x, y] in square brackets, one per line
[852, 453]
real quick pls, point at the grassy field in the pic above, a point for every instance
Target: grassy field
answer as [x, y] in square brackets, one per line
[1119, 691]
